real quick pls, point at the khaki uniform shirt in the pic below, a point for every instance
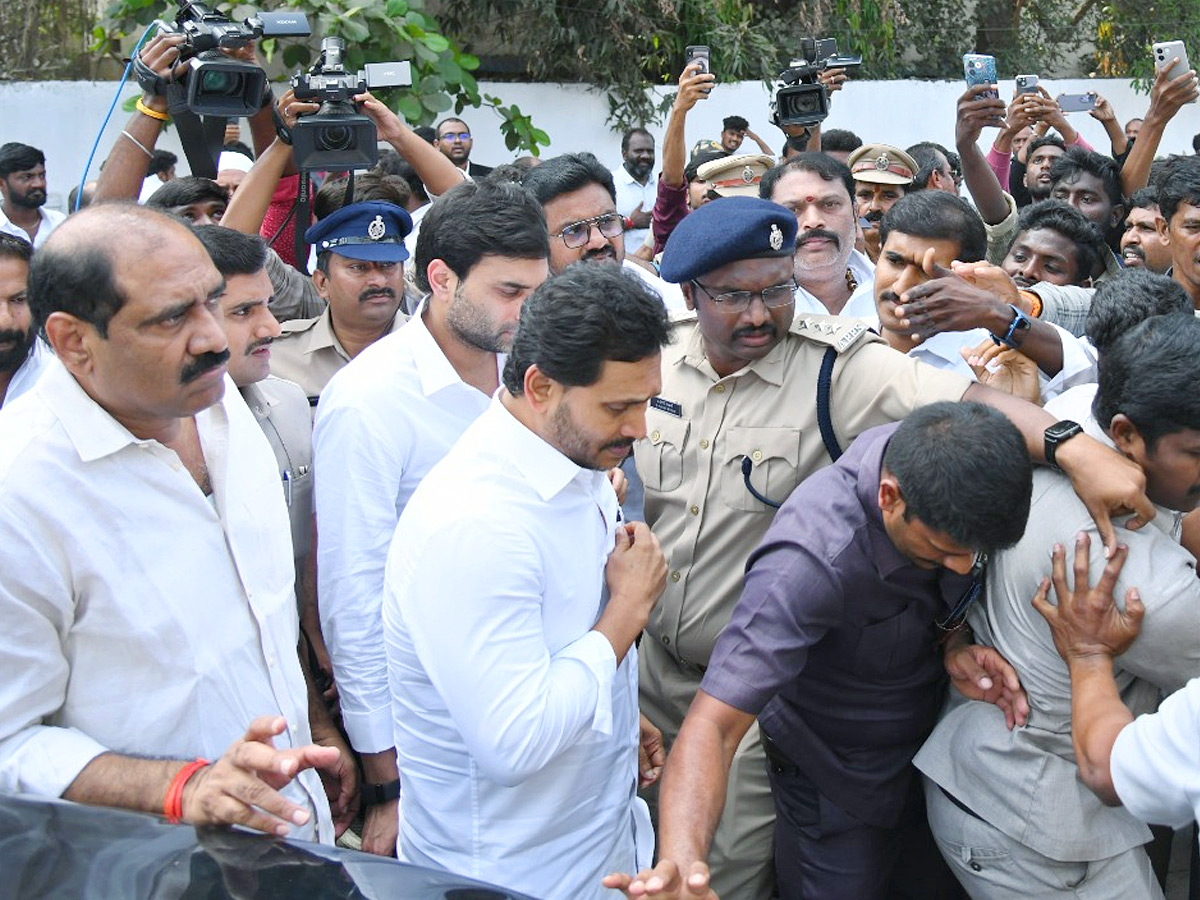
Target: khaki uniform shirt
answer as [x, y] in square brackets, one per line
[285, 417]
[309, 353]
[701, 427]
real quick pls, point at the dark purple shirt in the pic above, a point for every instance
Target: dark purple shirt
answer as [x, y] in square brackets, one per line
[833, 643]
[670, 206]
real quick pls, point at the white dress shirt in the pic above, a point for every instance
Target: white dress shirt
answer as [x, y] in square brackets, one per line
[140, 616]
[861, 304]
[631, 192]
[51, 219]
[383, 422]
[516, 732]
[672, 296]
[28, 372]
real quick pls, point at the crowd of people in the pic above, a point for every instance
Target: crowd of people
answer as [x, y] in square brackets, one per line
[699, 528]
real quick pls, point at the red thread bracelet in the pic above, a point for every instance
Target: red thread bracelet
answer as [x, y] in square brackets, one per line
[173, 804]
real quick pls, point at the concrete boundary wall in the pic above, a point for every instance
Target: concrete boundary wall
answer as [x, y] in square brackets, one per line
[63, 118]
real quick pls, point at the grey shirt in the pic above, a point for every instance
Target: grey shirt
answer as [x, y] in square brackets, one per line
[1025, 782]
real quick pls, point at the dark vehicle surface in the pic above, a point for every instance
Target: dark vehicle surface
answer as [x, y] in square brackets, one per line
[65, 851]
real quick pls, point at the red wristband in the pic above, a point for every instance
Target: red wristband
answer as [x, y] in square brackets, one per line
[173, 804]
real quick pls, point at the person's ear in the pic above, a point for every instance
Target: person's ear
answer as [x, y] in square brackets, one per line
[1128, 439]
[71, 338]
[321, 283]
[1117, 216]
[890, 498]
[442, 280]
[1164, 232]
[688, 297]
[540, 390]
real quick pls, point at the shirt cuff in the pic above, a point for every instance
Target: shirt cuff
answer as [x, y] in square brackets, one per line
[596, 654]
[45, 760]
[370, 731]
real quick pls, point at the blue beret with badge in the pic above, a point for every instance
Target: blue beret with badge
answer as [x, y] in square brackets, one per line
[373, 231]
[724, 231]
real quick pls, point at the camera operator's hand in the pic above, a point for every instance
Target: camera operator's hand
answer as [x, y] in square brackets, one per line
[161, 55]
[387, 123]
[976, 112]
[433, 168]
[694, 85]
[833, 79]
[290, 109]
[245, 53]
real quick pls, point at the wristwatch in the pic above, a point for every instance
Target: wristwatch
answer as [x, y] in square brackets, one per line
[374, 794]
[1056, 435]
[1018, 329]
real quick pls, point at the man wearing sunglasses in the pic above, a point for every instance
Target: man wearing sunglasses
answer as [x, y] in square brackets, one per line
[742, 406]
[455, 141]
[579, 199]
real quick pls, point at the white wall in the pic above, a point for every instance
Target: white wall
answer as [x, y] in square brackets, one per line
[63, 118]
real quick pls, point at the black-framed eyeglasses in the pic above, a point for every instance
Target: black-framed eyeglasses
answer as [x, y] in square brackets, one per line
[737, 301]
[456, 136]
[577, 234]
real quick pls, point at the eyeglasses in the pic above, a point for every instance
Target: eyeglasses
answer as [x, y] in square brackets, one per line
[577, 234]
[456, 136]
[737, 301]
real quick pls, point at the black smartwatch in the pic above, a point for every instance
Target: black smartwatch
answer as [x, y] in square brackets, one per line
[374, 794]
[1018, 329]
[1056, 435]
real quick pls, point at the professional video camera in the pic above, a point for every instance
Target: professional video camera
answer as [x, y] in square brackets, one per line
[800, 98]
[337, 136]
[218, 85]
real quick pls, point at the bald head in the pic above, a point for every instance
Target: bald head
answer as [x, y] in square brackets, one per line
[84, 266]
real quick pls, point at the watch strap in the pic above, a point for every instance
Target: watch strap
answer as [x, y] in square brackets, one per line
[1020, 326]
[1056, 435]
[374, 794]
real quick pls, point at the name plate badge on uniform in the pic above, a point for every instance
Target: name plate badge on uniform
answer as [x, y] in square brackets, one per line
[667, 406]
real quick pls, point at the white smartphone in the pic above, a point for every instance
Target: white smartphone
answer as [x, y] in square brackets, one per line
[1027, 84]
[1165, 51]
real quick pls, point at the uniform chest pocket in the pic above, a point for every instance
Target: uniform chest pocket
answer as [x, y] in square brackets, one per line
[660, 455]
[895, 647]
[774, 455]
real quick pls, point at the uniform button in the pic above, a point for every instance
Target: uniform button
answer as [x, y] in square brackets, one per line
[704, 443]
[756, 456]
[675, 575]
[720, 389]
[654, 435]
[976, 867]
[694, 510]
[666, 641]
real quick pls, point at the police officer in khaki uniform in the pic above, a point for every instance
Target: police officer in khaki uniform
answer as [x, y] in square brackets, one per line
[882, 175]
[360, 272]
[738, 425]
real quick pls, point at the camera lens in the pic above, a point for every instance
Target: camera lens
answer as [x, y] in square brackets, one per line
[335, 137]
[222, 84]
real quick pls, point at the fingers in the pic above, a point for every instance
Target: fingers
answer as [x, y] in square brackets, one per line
[1041, 600]
[1135, 610]
[1058, 574]
[264, 728]
[1112, 570]
[1143, 512]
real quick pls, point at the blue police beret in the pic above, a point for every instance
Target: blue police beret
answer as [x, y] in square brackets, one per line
[373, 231]
[725, 230]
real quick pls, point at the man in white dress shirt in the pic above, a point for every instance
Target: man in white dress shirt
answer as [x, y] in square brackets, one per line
[636, 185]
[513, 597]
[23, 355]
[23, 210]
[388, 417]
[147, 600]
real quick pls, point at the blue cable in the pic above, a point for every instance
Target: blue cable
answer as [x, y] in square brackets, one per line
[121, 84]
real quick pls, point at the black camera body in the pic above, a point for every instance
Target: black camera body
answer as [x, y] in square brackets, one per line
[218, 85]
[337, 136]
[800, 98]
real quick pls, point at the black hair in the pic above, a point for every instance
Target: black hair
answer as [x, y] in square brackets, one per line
[964, 470]
[73, 271]
[1129, 298]
[161, 161]
[426, 133]
[239, 147]
[491, 217]
[839, 140]
[828, 168]
[89, 192]
[1178, 182]
[1039, 142]
[941, 216]
[628, 136]
[15, 157]
[925, 155]
[588, 314]
[12, 247]
[392, 163]
[232, 252]
[690, 172]
[508, 171]
[369, 185]
[437, 130]
[1063, 218]
[186, 191]
[1196, 143]
[1143, 198]
[566, 173]
[1076, 160]
[1144, 374]
[734, 123]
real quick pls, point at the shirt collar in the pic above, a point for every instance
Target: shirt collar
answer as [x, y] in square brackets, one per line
[260, 404]
[887, 559]
[433, 368]
[547, 470]
[321, 334]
